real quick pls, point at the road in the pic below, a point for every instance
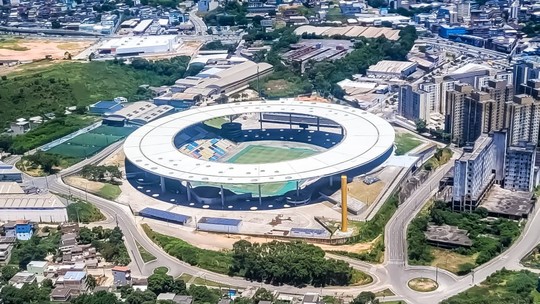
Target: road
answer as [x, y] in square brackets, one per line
[394, 273]
[198, 23]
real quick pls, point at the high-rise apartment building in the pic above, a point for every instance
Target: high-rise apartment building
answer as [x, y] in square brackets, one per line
[413, 104]
[524, 71]
[464, 115]
[500, 93]
[519, 167]
[475, 171]
[524, 120]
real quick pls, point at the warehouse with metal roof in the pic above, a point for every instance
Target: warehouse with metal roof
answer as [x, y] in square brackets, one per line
[15, 204]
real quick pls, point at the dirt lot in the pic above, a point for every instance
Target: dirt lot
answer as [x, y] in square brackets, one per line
[117, 159]
[31, 49]
[449, 260]
[82, 183]
[365, 193]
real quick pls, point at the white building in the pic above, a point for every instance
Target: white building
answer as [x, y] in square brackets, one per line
[15, 204]
[135, 45]
[392, 69]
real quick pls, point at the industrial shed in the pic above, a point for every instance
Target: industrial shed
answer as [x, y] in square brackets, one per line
[41, 207]
[10, 173]
[218, 224]
[166, 216]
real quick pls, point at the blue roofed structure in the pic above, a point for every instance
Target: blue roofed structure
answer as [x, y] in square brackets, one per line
[105, 106]
[219, 224]
[165, 216]
[74, 275]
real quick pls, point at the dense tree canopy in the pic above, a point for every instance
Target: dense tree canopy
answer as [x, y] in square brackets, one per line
[295, 263]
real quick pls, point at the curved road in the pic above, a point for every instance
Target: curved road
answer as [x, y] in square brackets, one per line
[394, 273]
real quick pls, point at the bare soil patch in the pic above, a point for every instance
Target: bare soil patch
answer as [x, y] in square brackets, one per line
[34, 49]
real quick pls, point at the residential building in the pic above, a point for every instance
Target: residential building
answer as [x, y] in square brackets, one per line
[499, 93]
[121, 276]
[471, 112]
[21, 278]
[177, 299]
[413, 103]
[350, 8]
[519, 167]
[5, 253]
[37, 267]
[207, 5]
[524, 119]
[21, 229]
[474, 173]
[73, 280]
[462, 115]
[312, 298]
[524, 71]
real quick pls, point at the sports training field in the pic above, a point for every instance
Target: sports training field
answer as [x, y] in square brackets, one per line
[263, 154]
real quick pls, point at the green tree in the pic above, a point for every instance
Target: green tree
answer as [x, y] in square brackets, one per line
[8, 272]
[160, 283]
[365, 297]
[100, 297]
[421, 125]
[263, 295]
[91, 282]
[141, 297]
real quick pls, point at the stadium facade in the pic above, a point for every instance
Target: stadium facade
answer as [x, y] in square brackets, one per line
[281, 152]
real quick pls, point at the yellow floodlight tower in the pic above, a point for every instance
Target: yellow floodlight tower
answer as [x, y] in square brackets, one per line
[344, 203]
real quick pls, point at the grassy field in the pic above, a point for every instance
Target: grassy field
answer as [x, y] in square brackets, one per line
[88, 144]
[262, 154]
[84, 212]
[385, 293]
[216, 122]
[423, 284]
[51, 88]
[503, 286]
[360, 278]
[110, 192]
[12, 44]
[216, 261]
[145, 255]
[405, 142]
[200, 281]
[365, 193]
[450, 260]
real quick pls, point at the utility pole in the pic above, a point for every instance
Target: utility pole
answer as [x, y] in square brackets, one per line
[258, 79]
[437, 274]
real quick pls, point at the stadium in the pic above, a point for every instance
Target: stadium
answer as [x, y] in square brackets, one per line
[255, 155]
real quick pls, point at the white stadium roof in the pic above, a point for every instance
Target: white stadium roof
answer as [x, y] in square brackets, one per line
[366, 137]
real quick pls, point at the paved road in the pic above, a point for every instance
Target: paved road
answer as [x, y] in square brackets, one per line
[198, 22]
[394, 273]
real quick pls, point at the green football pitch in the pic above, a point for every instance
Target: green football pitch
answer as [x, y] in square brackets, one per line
[263, 154]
